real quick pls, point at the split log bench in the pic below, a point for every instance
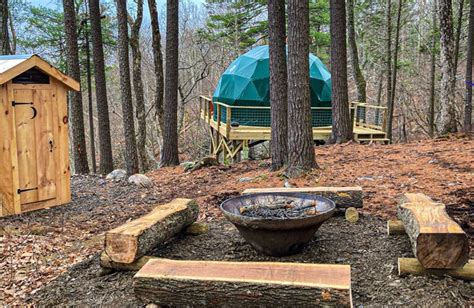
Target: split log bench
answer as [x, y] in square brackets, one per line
[344, 197]
[437, 240]
[127, 243]
[242, 284]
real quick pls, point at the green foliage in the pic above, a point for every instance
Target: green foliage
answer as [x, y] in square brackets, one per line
[237, 24]
[319, 28]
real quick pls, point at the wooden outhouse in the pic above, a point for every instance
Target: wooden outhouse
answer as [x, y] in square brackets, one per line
[34, 145]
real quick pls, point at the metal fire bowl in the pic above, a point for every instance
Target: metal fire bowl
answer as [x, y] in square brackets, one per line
[277, 236]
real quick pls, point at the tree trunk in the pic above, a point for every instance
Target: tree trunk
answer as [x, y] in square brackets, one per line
[457, 40]
[134, 239]
[431, 110]
[469, 84]
[79, 148]
[105, 144]
[278, 82]
[301, 156]
[389, 69]
[169, 154]
[131, 157]
[89, 96]
[341, 119]
[447, 99]
[242, 284]
[138, 87]
[395, 69]
[4, 35]
[158, 62]
[356, 71]
[437, 241]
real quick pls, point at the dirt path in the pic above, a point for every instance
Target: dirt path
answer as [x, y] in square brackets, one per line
[37, 247]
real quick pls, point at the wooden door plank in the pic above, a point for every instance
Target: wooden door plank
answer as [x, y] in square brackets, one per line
[26, 146]
[63, 171]
[45, 141]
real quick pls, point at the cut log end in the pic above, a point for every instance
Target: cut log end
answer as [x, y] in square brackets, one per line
[395, 227]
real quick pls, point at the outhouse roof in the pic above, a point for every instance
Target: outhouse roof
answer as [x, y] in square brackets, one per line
[14, 65]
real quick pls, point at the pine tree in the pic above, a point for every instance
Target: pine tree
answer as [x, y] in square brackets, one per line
[278, 82]
[105, 144]
[356, 71]
[301, 156]
[341, 119]
[469, 84]
[169, 154]
[4, 35]
[79, 149]
[131, 156]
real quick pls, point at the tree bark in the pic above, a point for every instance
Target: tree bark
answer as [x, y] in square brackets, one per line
[457, 40]
[4, 34]
[341, 119]
[105, 144]
[158, 63]
[437, 241]
[395, 69]
[301, 157]
[79, 148]
[356, 71]
[242, 284]
[389, 68]
[89, 96]
[131, 157]
[431, 110]
[278, 82]
[447, 93]
[169, 154]
[469, 84]
[136, 238]
[138, 87]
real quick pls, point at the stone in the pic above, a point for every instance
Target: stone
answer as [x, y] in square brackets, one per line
[352, 215]
[245, 180]
[140, 180]
[117, 175]
[197, 228]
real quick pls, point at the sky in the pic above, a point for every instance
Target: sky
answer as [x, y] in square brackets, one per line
[53, 3]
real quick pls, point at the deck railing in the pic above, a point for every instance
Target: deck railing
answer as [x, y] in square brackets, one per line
[362, 114]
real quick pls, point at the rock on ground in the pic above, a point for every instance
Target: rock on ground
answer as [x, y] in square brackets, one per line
[140, 180]
[117, 175]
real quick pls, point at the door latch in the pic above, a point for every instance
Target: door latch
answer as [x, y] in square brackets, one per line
[51, 145]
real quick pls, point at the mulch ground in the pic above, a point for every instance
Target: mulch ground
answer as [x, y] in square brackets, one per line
[38, 247]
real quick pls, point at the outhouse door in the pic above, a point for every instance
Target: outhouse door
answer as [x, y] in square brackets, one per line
[35, 143]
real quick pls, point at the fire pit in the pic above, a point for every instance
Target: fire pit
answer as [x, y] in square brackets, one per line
[278, 224]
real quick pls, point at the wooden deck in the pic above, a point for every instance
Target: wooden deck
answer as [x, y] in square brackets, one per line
[233, 139]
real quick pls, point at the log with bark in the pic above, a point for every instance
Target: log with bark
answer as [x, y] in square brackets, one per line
[395, 227]
[344, 197]
[437, 240]
[134, 239]
[413, 266]
[242, 284]
[106, 262]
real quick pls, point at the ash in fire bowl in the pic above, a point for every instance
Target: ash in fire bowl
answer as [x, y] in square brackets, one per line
[278, 224]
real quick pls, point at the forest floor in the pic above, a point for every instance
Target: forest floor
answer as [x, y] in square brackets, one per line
[62, 243]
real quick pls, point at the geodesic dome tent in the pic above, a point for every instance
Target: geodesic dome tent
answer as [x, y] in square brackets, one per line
[246, 83]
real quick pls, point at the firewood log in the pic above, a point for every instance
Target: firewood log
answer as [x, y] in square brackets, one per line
[437, 240]
[413, 266]
[395, 227]
[136, 238]
[242, 284]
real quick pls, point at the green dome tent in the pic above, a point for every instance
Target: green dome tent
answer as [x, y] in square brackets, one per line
[246, 83]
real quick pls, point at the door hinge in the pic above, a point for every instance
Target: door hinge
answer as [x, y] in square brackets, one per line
[19, 191]
[18, 103]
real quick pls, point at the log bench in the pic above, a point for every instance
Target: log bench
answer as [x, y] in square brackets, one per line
[344, 197]
[438, 242]
[242, 284]
[132, 240]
